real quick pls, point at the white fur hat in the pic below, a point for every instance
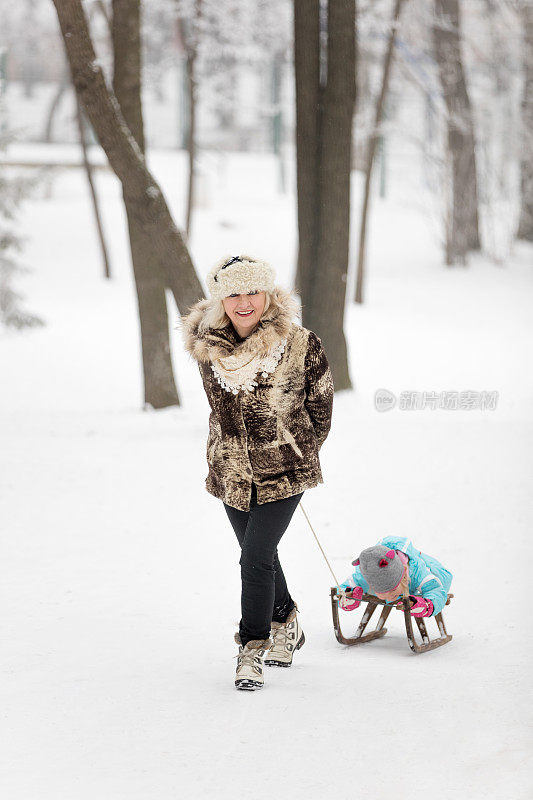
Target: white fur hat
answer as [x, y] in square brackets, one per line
[239, 275]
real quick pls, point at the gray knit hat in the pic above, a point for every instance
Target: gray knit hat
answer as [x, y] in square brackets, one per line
[381, 567]
[239, 275]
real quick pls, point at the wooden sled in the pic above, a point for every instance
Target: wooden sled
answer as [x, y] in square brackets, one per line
[372, 603]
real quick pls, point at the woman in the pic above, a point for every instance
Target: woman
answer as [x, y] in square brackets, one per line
[270, 390]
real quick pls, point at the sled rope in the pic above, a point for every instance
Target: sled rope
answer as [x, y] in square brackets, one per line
[318, 543]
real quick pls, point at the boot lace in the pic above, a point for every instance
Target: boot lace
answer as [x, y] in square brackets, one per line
[281, 636]
[249, 658]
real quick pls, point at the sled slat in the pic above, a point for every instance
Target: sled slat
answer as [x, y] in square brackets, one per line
[423, 630]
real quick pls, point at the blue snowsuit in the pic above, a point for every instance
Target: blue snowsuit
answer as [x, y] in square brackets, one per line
[427, 577]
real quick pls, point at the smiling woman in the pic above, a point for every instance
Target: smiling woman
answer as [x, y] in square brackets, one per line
[244, 310]
[270, 390]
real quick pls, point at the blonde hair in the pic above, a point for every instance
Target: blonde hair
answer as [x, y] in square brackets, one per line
[215, 314]
[403, 586]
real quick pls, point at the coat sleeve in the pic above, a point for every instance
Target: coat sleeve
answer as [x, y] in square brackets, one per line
[429, 586]
[355, 579]
[318, 388]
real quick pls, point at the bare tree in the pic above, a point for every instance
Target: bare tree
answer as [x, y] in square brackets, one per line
[92, 186]
[146, 204]
[211, 35]
[83, 127]
[30, 62]
[325, 97]
[462, 232]
[525, 227]
[190, 32]
[371, 151]
[61, 88]
[307, 76]
[159, 385]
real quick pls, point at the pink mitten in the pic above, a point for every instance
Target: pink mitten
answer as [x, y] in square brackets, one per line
[353, 602]
[420, 607]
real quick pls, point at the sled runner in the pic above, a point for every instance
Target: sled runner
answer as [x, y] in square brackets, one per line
[372, 603]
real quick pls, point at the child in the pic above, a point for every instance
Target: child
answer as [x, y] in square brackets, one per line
[393, 569]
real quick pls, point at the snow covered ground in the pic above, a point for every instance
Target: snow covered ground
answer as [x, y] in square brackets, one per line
[120, 577]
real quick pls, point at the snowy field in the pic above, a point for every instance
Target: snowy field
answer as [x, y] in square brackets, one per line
[120, 577]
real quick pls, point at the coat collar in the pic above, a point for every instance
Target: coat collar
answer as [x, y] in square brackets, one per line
[211, 343]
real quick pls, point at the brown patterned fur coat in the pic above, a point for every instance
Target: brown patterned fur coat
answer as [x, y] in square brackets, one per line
[271, 435]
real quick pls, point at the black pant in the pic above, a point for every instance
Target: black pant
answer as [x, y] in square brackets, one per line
[265, 596]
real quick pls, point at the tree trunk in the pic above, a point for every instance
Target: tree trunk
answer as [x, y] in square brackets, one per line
[463, 228]
[525, 228]
[145, 198]
[191, 135]
[159, 385]
[330, 282]
[307, 75]
[189, 31]
[92, 188]
[54, 105]
[378, 116]
[324, 134]
[277, 118]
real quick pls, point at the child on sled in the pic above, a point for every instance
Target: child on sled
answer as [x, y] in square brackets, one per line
[393, 569]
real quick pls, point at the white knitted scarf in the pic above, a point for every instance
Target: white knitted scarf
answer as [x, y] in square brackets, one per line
[238, 372]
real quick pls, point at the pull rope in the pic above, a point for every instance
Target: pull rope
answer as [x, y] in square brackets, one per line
[318, 543]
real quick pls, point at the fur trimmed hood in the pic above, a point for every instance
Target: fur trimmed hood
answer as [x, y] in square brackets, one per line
[212, 343]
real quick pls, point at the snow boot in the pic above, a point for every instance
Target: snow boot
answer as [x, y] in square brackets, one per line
[287, 637]
[249, 673]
